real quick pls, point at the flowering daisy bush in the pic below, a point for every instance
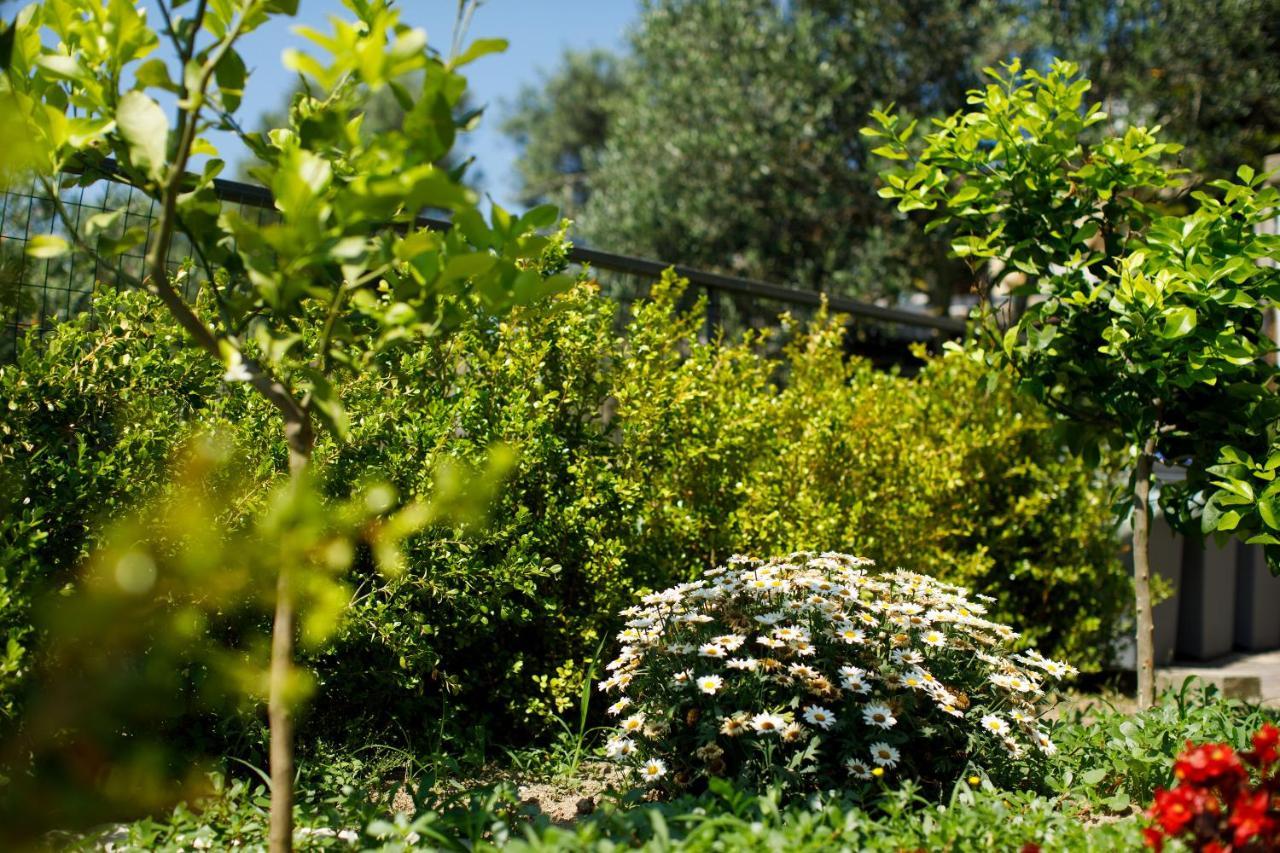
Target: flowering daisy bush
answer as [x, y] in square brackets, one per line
[813, 671]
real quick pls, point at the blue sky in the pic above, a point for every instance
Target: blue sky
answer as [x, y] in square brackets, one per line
[539, 32]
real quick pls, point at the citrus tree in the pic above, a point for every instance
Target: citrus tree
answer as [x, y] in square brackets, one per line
[1143, 330]
[341, 273]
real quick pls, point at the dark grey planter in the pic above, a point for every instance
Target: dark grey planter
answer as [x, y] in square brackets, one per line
[1166, 562]
[1207, 599]
[1257, 602]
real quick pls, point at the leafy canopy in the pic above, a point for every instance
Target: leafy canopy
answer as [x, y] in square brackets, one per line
[1143, 326]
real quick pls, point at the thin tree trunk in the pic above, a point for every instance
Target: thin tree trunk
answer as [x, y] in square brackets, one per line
[279, 713]
[1146, 654]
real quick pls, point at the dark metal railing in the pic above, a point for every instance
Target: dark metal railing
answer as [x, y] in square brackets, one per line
[37, 293]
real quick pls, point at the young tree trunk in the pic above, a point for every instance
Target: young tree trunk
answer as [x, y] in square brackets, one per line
[279, 713]
[1146, 652]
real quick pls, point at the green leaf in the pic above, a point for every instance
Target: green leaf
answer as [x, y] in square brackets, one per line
[60, 66]
[46, 246]
[889, 152]
[966, 193]
[145, 129]
[1228, 521]
[478, 48]
[1094, 776]
[155, 73]
[1179, 321]
[1269, 509]
[1212, 513]
[1118, 803]
[230, 75]
[542, 216]
[467, 266]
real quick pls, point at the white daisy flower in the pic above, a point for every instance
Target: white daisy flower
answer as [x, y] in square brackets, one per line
[993, 724]
[906, 657]
[766, 723]
[634, 723]
[816, 715]
[618, 707]
[803, 648]
[800, 670]
[880, 715]
[682, 678]
[934, 638]
[793, 733]
[709, 684]
[858, 769]
[1047, 746]
[748, 664]
[618, 747]
[852, 636]
[884, 755]
[1022, 685]
[1052, 667]
[653, 770]
[734, 726]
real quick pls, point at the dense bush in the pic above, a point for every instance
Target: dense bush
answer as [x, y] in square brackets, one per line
[812, 671]
[643, 458]
[92, 415]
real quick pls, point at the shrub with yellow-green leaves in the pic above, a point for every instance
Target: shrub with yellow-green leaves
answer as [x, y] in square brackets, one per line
[644, 457]
[814, 671]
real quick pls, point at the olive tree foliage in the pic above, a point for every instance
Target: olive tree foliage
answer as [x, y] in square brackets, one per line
[561, 126]
[341, 275]
[1204, 71]
[1145, 330]
[727, 137]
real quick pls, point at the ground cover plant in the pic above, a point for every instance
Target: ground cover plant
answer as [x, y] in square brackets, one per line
[814, 671]
[1095, 794]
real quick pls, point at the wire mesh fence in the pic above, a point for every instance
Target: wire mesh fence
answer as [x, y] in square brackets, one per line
[37, 293]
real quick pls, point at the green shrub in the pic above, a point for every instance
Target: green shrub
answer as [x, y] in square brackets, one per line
[91, 416]
[643, 459]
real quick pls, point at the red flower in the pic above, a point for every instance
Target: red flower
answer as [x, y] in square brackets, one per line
[1211, 762]
[1265, 743]
[1173, 810]
[1215, 808]
[1249, 817]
